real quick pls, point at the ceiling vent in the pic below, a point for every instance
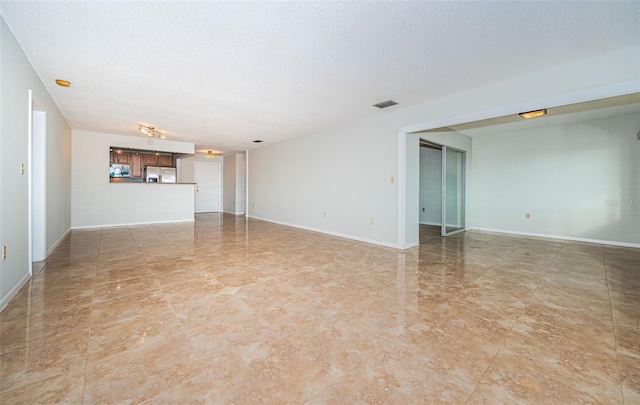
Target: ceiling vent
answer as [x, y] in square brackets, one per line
[385, 104]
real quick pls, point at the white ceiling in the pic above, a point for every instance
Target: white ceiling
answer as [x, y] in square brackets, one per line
[221, 74]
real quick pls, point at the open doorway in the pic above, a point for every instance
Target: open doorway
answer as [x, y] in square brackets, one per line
[36, 171]
[441, 191]
[430, 194]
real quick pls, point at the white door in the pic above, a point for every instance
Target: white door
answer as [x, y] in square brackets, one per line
[207, 179]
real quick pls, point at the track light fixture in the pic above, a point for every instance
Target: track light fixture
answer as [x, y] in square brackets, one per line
[150, 131]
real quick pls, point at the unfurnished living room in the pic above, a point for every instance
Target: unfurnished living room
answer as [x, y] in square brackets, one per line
[314, 202]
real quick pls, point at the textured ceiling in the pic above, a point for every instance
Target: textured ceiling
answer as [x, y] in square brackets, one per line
[221, 74]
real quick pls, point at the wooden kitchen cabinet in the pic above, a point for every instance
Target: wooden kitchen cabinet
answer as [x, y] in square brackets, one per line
[136, 165]
[121, 158]
[150, 160]
[165, 160]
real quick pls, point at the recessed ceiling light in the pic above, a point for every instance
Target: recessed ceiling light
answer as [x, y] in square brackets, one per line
[385, 104]
[63, 83]
[533, 114]
[258, 141]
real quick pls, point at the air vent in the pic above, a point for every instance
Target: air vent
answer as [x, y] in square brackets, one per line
[385, 104]
[258, 141]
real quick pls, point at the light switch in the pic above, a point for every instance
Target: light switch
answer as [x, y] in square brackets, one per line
[21, 168]
[393, 180]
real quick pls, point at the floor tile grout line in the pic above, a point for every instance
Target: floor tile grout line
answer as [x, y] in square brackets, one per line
[514, 323]
[613, 323]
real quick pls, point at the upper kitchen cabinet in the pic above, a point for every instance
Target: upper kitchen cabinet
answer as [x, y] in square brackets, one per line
[119, 157]
[165, 160]
[158, 160]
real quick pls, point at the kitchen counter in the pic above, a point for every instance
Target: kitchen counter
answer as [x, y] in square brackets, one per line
[136, 181]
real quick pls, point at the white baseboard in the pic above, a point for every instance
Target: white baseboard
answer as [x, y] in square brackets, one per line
[132, 224]
[340, 235]
[430, 223]
[55, 245]
[233, 213]
[571, 238]
[5, 300]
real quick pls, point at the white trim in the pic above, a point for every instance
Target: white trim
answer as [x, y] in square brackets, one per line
[571, 238]
[134, 224]
[618, 89]
[340, 235]
[55, 245]
[402, 187]
[430, 223]
[16, 288]
[246, 184]
[231, 212]
[30, 185]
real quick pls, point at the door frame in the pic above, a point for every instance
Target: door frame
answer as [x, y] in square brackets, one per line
[36, 165]
[443, 229]
[405, 231]
[219, 183]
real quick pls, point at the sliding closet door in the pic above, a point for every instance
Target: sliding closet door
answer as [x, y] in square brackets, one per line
[453, 169]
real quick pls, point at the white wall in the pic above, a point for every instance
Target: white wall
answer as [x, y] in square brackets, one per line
[97, 202]
[430, 186]
[233, 184]
[16, 78]
[229, 184]
[346, 171]
[578, 180]
[240, 186]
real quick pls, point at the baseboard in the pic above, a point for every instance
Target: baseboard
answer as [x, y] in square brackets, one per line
[55, 245]
[571, 238]
[339, 235]
[12, 293]
[133, 224]
[430, 223]
[233, 213]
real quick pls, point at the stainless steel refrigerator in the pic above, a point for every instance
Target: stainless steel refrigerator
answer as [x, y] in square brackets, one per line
[156, 174]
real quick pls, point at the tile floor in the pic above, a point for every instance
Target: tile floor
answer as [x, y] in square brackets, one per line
[229, 311]
[428, 232]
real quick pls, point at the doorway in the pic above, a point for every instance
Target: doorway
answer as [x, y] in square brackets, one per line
[207, 179]
[37, 185]
[430, 194]
[441, 191]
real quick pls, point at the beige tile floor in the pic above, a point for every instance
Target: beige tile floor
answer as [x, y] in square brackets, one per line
[229, 311]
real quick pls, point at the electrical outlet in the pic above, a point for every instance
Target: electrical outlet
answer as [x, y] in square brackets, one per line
[21, 168]
[527, 216]
[4, 253]
[371, 221]
[422, 209]
[393, 180]
[324, 214]
[253, 205]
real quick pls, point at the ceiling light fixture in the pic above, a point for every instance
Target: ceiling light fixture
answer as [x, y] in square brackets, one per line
[63, 83]
[150, 131]
[533, 114]
[209, 155]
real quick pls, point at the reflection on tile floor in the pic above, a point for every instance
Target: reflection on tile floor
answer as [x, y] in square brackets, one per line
[230, 311]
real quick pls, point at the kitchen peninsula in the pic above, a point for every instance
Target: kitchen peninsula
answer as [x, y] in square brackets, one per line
[100, 202]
